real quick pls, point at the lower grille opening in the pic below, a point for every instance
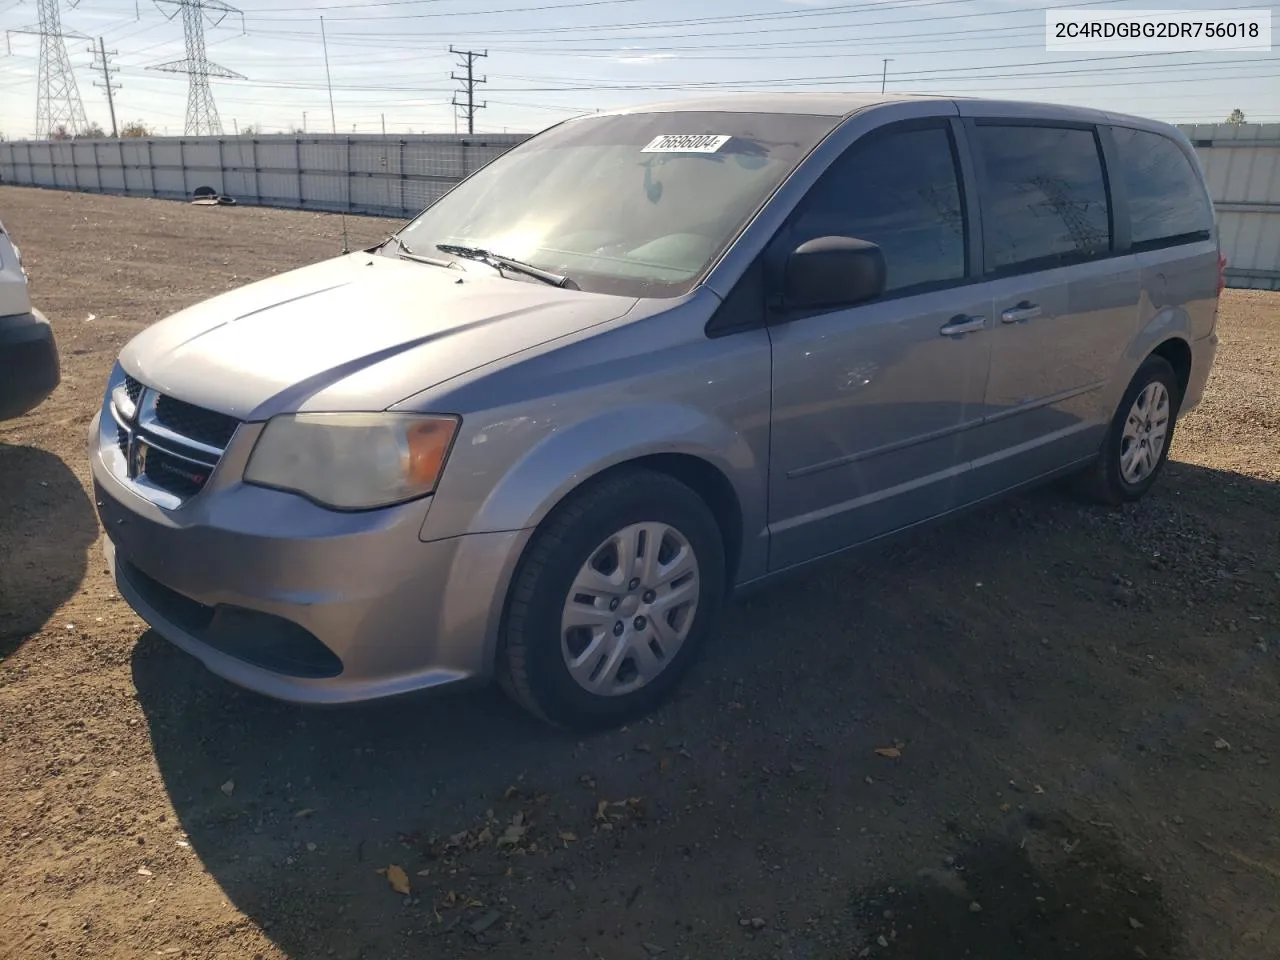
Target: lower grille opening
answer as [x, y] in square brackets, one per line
[262, 639]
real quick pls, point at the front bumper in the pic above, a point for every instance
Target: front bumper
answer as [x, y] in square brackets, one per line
[29, 367]
[300, 603]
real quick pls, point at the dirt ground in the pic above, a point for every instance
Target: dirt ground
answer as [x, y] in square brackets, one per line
[1084, 703]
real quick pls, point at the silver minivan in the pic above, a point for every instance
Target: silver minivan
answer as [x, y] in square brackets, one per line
[642, 360]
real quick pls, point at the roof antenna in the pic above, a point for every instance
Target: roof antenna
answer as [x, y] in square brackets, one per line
[333, 122]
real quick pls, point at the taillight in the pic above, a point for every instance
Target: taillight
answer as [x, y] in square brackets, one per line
[1222, 272]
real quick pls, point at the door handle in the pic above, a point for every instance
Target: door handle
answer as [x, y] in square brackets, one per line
[961, 324]
[1023, 311]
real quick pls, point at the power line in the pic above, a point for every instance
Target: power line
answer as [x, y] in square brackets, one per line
[397, 3]
[595, 83]
[100, 62]
[645, 24]
[721, 24]
[945, 75]
[469, 58]
[202, 112]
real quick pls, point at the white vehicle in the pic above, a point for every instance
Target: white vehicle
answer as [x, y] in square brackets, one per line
[28, 354]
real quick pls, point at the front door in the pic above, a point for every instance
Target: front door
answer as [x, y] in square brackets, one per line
[870, 403]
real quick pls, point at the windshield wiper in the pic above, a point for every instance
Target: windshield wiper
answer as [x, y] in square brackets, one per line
[406, 253]
[499, 262]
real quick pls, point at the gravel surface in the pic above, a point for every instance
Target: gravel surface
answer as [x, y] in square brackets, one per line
[1075, 710]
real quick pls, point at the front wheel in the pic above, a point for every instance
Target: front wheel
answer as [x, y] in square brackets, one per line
[1138, 440]
[617, 594]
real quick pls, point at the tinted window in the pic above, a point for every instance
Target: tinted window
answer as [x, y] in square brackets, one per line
[1166, 199]
[1044, 199]
[898, 190]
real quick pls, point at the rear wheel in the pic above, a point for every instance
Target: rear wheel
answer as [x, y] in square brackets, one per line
[1141, 432]
[617, 594]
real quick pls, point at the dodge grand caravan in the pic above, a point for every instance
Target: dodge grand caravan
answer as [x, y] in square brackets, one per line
[641, 360]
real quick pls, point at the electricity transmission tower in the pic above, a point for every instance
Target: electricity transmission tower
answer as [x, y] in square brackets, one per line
[1085, 234]
[100, 62]
[469, 57]
[202, 112]
[57, 96]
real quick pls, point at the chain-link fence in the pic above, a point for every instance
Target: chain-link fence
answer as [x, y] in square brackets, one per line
[387, 176]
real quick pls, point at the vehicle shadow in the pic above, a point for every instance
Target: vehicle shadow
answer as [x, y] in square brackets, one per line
[982, 645]
[47, 525]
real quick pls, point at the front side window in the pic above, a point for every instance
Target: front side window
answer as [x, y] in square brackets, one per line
[637, 204]
[1043, 196]
[899, 190]
[1166, 199]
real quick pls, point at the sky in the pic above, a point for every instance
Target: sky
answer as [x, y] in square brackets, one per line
[552, 59]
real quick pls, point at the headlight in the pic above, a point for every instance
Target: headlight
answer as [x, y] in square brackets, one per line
[352, 461]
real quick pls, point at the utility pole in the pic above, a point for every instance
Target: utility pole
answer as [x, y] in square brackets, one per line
[101, 63]
[384, 124]
[469, 57]
[304, 121]
[202, 112]
[884, 73]
[328, 78]
[58, 101]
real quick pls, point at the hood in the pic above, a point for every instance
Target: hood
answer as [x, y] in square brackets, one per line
[359, 332]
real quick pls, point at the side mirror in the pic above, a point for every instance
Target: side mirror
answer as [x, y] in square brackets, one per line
[834, 272]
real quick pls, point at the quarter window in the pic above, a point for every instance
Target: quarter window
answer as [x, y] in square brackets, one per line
[1166, 199]
[898, 190]
[1044, 197]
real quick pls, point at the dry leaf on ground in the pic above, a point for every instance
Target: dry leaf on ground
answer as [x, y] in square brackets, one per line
[398, 879]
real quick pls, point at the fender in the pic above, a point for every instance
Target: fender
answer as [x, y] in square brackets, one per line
[1169, 323]
[567, 455]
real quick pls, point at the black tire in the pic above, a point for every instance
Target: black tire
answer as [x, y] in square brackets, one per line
[1103, 480]
[531, 667]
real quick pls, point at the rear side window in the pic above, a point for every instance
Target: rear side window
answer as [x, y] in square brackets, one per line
[1166, 200]
[1044, 197]
[900, 190]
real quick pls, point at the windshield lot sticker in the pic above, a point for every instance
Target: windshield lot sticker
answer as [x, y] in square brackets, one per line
[686, 143]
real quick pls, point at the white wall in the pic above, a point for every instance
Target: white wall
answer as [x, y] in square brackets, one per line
[389, 176]
[1242, 165]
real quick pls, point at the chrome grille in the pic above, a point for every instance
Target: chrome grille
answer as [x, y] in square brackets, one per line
[169, 445]
[206, 426]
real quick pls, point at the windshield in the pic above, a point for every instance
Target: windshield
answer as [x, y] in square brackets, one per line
[637, 205]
